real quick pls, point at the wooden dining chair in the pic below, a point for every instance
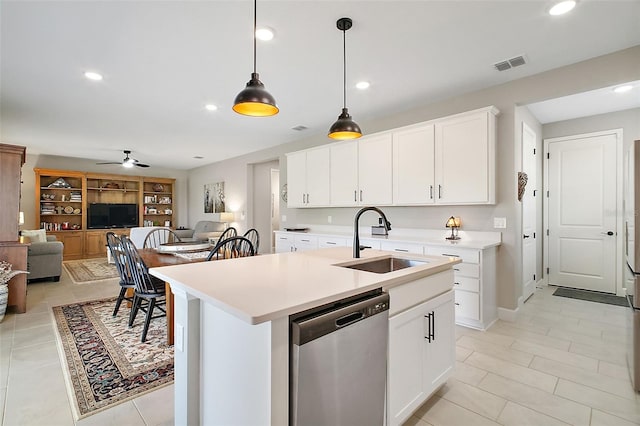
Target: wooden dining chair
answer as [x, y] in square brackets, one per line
[160, 236]
[253, 236]
[228, 233]
[149, 291]
[232, 248]
[122, 265]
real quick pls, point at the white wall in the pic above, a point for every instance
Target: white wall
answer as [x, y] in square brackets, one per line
[28, 203]
[599, 72]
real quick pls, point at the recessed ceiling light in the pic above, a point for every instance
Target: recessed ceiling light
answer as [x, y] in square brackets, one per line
[363, 85]
[562, 7]
[92, 75]
[210, 107]
[623, 89]
[264, 34]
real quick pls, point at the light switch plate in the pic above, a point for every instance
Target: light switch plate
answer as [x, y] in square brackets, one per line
[500, 222]
[284, 218]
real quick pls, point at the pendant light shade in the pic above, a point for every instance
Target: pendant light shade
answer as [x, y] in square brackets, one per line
[344, 128]
[254, 100]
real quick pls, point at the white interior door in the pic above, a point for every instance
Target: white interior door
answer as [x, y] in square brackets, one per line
[529, 216]
[582, 211]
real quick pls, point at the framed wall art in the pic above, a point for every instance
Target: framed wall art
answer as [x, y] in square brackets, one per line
[214, 197]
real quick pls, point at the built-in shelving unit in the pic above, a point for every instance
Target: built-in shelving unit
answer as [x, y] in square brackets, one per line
[63, 198]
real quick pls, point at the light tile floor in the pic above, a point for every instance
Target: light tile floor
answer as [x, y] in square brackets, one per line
[562, 362]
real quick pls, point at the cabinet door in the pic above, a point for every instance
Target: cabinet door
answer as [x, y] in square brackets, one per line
[465, 160]
[405, 386]
[95, 243]
[317, 172]
[284, 243]
[296, 179]
[344, 174]
[440, 347]
[413, 166]
[305, 242]
[375, 170]
[73, 244]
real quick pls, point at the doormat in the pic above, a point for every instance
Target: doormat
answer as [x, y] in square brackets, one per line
[104, 362]
[591, 296]
[89, 270]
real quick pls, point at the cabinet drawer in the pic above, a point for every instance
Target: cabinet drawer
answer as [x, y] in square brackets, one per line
[467, 270]
[408, 295]
[467, 255]
[466, 283]
[402, 247]
[306, 242]
[467, 305]
[331, 242]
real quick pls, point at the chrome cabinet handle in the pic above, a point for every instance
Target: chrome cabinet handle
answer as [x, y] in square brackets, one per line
[355, 196]
[361, 195]
[439, 191]
[431, 192]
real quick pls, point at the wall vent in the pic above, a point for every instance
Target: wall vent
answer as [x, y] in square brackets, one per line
[299, 128]
[510, 63]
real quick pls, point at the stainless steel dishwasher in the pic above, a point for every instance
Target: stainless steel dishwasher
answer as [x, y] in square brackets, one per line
[338, 363]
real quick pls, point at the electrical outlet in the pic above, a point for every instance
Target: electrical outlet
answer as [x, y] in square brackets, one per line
[500, 222]
[329, 219]
[284, 218]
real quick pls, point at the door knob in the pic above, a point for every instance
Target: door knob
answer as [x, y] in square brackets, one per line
[525, 236]
[609, 233]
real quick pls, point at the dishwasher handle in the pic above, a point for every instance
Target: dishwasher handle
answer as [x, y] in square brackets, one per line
[349, 319]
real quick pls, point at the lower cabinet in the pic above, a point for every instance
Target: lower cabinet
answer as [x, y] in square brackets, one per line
[421, 355]
[73, 244]
[95, 243]
[295, 242]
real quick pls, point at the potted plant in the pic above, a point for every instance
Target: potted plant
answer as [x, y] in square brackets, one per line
[5, 275]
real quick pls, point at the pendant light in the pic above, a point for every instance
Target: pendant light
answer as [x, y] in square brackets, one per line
[254, 100]
[344, 128]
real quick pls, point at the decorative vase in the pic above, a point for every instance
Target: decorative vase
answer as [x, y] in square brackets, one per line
[4, 297]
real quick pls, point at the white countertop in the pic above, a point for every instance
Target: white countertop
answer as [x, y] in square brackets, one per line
[266, 287]
[468, 239]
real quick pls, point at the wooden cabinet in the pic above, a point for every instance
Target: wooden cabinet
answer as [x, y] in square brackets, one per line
[308, 178]
[421, 353]
[474, 285]
[65, 198]
[465, 158]
[413, 166]
[12, 158]
[361, 172]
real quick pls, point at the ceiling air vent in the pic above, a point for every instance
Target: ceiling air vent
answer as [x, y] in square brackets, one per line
[510, 63]
[299, 128]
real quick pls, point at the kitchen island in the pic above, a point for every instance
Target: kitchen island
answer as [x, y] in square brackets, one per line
[232, 324]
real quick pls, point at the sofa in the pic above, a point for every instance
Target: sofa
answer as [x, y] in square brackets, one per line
[44, 259]
[204, 230]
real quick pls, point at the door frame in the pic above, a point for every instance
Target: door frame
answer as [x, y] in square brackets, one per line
[619, 272]
[533, 186]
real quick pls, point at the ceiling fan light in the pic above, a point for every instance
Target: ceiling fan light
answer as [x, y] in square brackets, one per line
[254, 100]
[128, 164]
[344, 128]
[562, 7]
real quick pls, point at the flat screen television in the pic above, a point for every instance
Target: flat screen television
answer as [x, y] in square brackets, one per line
[112, 215]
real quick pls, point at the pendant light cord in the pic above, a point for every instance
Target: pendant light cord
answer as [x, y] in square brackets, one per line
[344, 68]
[255, 26]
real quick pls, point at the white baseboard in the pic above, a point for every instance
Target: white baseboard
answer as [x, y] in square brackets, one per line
[509, 315]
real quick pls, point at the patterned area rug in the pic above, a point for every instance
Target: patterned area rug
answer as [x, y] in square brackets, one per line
[90, 270]
[105, 362]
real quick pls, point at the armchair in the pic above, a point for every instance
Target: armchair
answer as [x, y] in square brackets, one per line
[44, 259]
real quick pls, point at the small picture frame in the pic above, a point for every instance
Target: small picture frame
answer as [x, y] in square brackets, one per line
[152, 211]
[167, 223]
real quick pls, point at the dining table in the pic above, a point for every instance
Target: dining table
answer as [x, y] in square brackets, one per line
[153, 259]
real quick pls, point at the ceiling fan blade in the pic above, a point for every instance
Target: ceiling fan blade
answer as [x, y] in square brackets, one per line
[110, 162]
[141, 165]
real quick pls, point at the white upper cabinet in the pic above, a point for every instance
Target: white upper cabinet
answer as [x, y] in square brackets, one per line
[344, 173]
[450, 160]
[361, 172]
[308, 178]
[375, 174]
[413, 166]
[465, 158]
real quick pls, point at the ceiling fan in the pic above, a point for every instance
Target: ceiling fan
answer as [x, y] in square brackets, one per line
[127, 162]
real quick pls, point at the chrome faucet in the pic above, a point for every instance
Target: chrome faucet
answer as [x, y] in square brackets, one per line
[356, 233]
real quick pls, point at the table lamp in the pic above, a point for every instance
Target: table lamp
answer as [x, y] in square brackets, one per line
[454, 224]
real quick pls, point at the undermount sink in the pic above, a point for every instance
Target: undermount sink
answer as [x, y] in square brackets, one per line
[385, 265]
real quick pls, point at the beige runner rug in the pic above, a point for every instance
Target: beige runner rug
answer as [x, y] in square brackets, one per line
[89, 270]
